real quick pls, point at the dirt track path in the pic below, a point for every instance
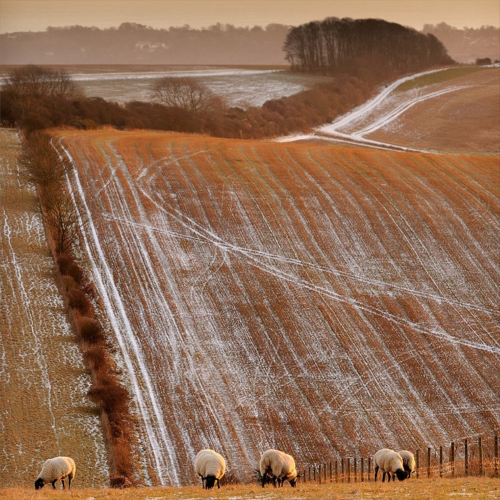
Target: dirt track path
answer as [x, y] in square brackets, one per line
[44, 410]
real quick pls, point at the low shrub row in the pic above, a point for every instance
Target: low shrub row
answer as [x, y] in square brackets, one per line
[106, 390]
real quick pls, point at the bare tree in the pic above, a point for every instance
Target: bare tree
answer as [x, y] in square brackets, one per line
[186, 93]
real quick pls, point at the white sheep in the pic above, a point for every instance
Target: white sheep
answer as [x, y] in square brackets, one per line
[54, 469]
[390, 463]
[408, 462]
[210, 466]
[279, 466]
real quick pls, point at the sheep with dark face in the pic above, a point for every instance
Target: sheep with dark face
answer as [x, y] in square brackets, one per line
[408, 462]
[55, 469]
[210, 466]
[390, 463]
[279, 467]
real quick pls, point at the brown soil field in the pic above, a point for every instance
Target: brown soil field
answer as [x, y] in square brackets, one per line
[422, 489]
[44, 410]
[324, 300]
[464, 121]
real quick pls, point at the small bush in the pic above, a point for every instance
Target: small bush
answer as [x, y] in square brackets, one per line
[80, 302]
[67, 265]
[96, 357]
[110, 396]
[117, 481]
[89, 330]
[68, 283]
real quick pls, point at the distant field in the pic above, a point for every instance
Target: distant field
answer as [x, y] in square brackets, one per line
[241, 86]
[323, 300]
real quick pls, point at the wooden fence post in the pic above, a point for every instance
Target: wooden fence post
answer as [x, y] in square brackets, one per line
[319, 473]
[348, 470]
[314, 473]
[330, 471]
[369, 468]
[480, 445]
[496, 455]
[324, 472]
[362, 465]
[440, 461]
[466, 457]
[355, 470]
[336, 471]
[428, 462]
[309, 473]
[417, 460]
[452, 459]
[342, 468]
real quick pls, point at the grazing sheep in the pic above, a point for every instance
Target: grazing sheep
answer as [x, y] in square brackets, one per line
[390, 463]
[210, 466]
[54, 469]
[408, 462]
[279, 466]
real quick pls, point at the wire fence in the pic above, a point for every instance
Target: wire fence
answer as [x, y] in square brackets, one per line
[470, 457]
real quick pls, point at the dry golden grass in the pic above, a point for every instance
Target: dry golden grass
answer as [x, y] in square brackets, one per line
[473, 488]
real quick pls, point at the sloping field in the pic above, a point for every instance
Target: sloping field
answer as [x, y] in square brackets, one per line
[44, 409]
[323, 300]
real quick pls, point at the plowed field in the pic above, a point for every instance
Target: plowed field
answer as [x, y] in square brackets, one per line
[323, 300]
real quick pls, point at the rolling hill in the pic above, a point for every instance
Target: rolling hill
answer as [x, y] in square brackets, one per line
[325, 300]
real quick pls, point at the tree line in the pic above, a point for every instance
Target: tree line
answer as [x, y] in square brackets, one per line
[133, 43]
[39, 97]
[335, 45]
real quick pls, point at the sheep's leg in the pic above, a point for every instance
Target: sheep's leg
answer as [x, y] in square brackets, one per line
[218, 484]
[70, 477]
[383, 476]
[54, 483]
[376, 471]
[62, 481]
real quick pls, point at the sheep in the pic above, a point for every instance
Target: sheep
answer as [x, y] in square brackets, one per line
[279, 466]
[408, 462]
[54, 469]
[210, 466]
[390, 463]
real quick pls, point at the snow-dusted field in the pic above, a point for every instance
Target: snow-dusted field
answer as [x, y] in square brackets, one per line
[44, 409]
[326, 301]
[420, 119]
[239, 86]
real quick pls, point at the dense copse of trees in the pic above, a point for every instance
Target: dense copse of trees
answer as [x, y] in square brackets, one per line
[338, 45]
[134, 43]
[465, 45]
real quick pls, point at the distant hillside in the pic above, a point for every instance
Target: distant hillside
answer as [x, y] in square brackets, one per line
[468, 44]
[133, 43]
[324, 300]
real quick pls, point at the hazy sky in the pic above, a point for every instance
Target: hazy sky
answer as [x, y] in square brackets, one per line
[37, 15]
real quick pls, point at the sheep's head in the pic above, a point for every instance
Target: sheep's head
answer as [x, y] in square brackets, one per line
[210, 482]
[39, 483]
[401, 474]
[293, 482]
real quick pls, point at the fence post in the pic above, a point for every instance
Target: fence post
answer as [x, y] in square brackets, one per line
[362, 465]
[480, 444]
[319, 473]
[428, 462]
[369, 467]
[309, 473]
[314, 473]
[466, 457]
[452, 459]
[330, 471]
[342, 468]
[324, 472]
[348, 470]
[440, 461]
[336, 471]
[355, 470]
[417, 460]
[496, 455]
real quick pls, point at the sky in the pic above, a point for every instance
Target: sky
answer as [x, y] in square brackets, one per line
[37, 15]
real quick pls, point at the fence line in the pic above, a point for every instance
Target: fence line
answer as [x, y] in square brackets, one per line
[471, 457]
